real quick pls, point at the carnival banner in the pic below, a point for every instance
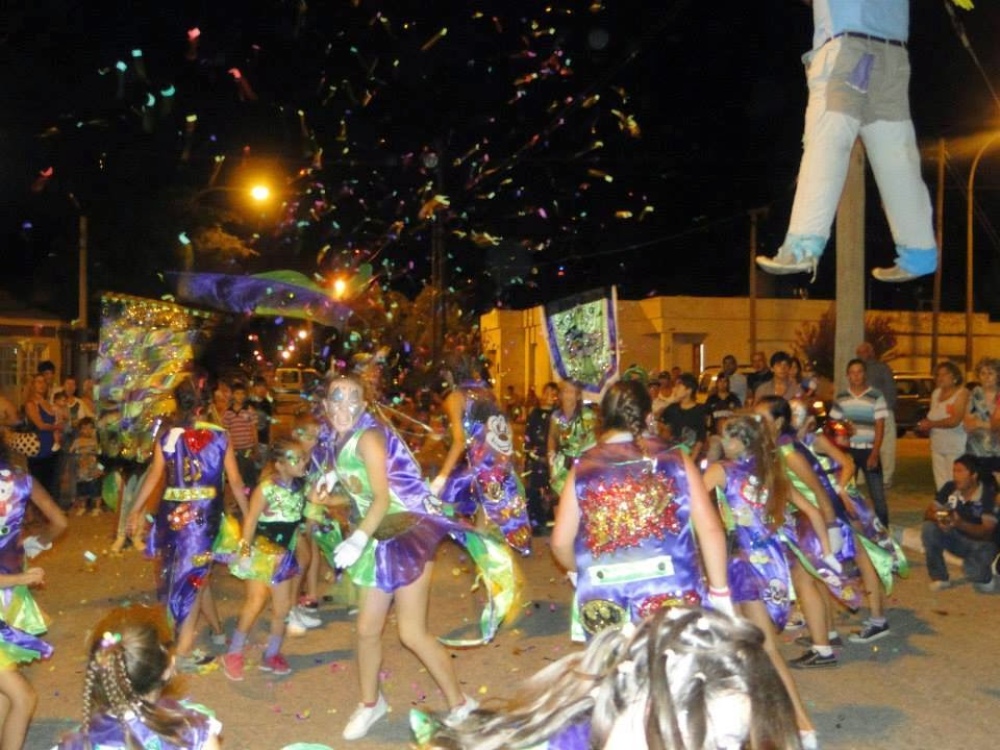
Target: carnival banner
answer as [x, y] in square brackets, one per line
[146, 348]
[582, 335]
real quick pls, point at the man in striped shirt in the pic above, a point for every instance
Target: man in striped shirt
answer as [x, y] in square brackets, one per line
[241, 422]
[866, 409]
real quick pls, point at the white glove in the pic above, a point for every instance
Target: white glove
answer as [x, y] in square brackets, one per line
[245, 565]
[437, 485]
[834, 564]
[33, 546]
[328, 481]
[836, 535]
[349, 550]
[721, 602]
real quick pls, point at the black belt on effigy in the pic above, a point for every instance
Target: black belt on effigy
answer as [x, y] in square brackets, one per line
[869, 37]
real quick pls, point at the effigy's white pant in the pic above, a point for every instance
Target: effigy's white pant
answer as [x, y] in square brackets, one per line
[860, 87]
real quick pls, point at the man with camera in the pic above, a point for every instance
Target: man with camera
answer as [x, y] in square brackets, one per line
[963, 521]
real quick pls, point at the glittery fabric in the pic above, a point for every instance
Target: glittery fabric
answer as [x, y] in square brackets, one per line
[574, 434]
[270, 562]
[185, 549]
[802, 541]
[20, 614]
[758, 570]
[487, 477]
[635, 548]
[410, 533]
[107, 731]
[886, 555]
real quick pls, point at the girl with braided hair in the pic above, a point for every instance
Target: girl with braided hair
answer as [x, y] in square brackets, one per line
[680, 679]
[631, 519]
[125, 703]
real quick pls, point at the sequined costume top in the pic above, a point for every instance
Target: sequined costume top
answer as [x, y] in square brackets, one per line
[107, 731]
[574, 434]
[758, 569]
[282, 504]
[635, 548]
[488, 477]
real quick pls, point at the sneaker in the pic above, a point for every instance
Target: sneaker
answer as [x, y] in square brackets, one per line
[219, 639]
[940, 585]
[303, 619]
[808, 739]
[895, 274]
[276, 664]
[806, 642]
[785, 263]
[460, 713]
[310, 605]
[193, 661]
[992, 586]
[364, 718]
[796, 621]
[813, 659]
[232, 666]
[870, 632]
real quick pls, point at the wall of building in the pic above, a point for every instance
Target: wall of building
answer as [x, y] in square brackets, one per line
[659, 333]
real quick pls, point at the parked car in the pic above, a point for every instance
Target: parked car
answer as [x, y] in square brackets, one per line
[291, 384]
[913, 399]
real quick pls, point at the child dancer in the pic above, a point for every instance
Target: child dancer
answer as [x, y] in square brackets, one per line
[20, 618]
[265, 556]
[393, 502]
[128, 671]
[191, 457]
[752, 492]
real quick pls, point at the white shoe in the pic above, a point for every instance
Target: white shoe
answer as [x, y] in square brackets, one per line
[894, 274]
[460, 713]
[784, 263]
[808, 739]
[364, 718]
[303, 618]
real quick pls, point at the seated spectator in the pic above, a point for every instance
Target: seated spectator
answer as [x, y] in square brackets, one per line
[685, 418]
[963, 521]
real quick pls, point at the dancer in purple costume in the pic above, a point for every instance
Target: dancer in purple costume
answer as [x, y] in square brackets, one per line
[128, 671]
[390, 553]
[679, 679]
[813, 537]
[479, 469]
[192, 457]
[20, 618]
[875, 553]
[753, 494]
[630, 524]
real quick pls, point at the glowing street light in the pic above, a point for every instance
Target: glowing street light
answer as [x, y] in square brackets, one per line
[339, 287]
[260, 193]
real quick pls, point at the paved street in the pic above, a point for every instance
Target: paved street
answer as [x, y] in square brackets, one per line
[933, 684]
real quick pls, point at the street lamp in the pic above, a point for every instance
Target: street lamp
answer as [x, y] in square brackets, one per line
[258, 193]
[969, 247]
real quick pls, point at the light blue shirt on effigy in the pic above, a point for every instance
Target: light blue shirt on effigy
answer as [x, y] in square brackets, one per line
[888, 19]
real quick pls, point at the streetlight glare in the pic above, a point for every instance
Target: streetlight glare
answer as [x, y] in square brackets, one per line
[339, 287]
[260, 193]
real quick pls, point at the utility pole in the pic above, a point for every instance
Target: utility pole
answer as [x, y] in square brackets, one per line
[755, 215]
[850, 307]
[939, 239]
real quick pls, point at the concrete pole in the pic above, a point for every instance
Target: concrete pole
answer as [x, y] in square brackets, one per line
[850, 308]
[939, 237]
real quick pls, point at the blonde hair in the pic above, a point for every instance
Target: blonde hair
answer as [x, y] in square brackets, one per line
[682, 670]
[756, 436]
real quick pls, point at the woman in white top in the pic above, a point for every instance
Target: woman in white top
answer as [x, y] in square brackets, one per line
[944, 421]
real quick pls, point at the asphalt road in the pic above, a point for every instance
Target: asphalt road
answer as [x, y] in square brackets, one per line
[932, 684]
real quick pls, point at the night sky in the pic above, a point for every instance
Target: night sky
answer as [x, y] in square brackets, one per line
[580, 142]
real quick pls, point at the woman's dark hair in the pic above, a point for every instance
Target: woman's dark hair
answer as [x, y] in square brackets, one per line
[779, 408]
[952, 369]
[625, 406]
[188, 399]
[463, 367]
